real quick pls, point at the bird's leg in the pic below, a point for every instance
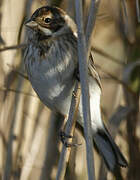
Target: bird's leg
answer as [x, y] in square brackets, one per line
[65, 137]
[76, 73]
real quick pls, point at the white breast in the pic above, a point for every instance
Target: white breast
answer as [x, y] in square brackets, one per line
[52, 76]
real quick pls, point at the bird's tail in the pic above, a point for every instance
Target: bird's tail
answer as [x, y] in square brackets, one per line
[109, 150]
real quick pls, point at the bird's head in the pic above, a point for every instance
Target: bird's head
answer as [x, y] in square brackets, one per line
[51, 21]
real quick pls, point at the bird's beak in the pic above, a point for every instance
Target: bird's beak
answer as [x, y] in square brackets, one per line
[30, 23]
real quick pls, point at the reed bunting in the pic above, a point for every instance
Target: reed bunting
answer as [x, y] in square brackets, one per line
[51, 63]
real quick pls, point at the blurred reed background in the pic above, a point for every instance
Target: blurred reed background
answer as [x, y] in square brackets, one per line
[29, 141]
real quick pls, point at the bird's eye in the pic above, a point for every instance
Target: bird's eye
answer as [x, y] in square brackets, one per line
[47, 20]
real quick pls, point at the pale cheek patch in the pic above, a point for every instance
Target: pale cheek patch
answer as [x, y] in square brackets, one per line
[46, 31]
[71, 24]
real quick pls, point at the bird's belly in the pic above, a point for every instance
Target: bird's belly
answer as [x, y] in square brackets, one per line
[53, 93]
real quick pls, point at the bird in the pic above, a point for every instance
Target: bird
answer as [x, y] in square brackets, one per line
[51, 63]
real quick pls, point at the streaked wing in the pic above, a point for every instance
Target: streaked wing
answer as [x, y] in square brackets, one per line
[93, 72]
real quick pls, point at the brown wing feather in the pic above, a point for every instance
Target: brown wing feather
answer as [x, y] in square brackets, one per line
[93, 71]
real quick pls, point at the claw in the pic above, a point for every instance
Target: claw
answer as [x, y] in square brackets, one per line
[64, 136]
[66, 144]
[77, 74]
[74, 94]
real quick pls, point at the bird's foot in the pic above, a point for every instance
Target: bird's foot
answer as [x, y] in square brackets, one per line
[76, 73]
[64, 137]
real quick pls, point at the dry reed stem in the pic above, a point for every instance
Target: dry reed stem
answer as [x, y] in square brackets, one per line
[132, 123]
[31, 157]
[65, 153]
[124, 6]
[83, 69]
[70, 126]
[9, 155]
[17, 91]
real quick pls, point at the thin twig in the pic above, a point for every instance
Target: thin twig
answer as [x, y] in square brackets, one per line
[138, 10]
[95, 49]
[116, 79]
[108, 56]
[13, 47]
[19, 73]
